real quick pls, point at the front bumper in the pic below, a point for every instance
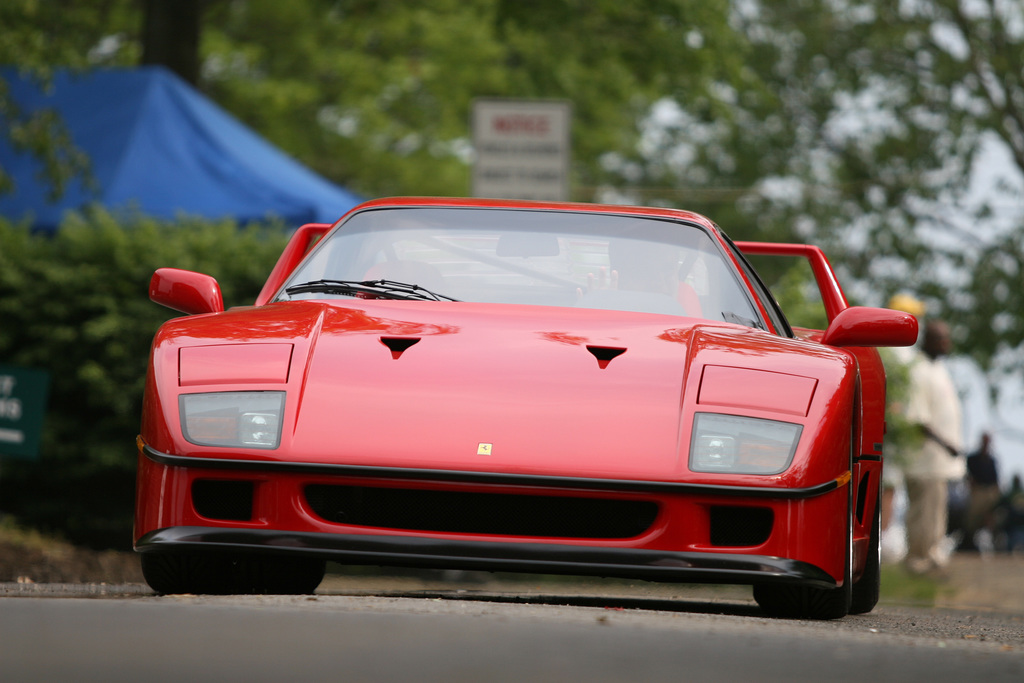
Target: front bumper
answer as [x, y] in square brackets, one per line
[804, 544]
[540, 558]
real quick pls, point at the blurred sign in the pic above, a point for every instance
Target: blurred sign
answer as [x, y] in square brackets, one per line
[22, 405]
[522, 149]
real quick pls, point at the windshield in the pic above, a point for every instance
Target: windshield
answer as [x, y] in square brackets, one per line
[545, 258]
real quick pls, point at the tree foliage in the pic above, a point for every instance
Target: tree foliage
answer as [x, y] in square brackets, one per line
[890, 133]
[391, 83]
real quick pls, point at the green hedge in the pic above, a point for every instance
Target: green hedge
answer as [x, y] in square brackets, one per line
[75, 304]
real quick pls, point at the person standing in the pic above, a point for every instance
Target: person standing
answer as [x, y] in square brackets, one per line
[983, 480]
[900, 436]
[933, 406]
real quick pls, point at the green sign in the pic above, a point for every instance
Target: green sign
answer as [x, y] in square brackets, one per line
[22, 405]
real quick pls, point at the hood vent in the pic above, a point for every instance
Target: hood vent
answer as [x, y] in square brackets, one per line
[605, 354]
[398, 345]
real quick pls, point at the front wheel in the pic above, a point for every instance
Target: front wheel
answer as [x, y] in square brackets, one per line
[868, 589]
[217, 574]
[802, 602]
[805, 602]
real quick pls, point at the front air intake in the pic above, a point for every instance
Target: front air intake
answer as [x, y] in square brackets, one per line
[481, 513]
[735, 526]
[226, 499]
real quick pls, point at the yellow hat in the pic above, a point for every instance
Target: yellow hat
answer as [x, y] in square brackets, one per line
[907, 304]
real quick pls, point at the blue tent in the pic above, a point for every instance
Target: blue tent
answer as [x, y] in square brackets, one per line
[159, 147]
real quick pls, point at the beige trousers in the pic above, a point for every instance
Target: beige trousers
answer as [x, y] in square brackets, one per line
[927, 513]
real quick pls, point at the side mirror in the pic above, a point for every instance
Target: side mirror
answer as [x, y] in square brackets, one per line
[864, 326]
[186, 291]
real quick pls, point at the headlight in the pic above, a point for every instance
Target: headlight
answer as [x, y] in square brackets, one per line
[741, 445]
[242, 419]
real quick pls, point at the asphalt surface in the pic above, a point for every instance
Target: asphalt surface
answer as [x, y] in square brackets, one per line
[452, 627]
[980, 603]
[446, 636]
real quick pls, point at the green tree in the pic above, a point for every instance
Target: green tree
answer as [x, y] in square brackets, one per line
[390, 84]
[868, 122]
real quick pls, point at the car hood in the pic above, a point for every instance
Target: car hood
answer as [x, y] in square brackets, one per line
[475, 387]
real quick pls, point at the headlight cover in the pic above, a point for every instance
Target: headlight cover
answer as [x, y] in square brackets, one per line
[238, 419]
[742, 445]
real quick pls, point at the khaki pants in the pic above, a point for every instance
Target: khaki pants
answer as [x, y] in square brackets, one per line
[983, 501]
[927, 512]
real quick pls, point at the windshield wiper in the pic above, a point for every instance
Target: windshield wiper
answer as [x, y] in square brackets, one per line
[731, 317]
[383, 289]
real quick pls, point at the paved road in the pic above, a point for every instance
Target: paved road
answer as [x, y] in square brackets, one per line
[454, 629]
[457, 627]
[347, 638]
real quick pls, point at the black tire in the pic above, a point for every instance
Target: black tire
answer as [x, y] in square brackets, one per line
[792, 601]
[868, 589]
[180, 573]
[805, 602]
[278, 575]
[214, 574]
[802, 602]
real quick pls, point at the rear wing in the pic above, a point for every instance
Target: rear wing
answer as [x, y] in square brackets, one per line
[298, 246]
[831, 293]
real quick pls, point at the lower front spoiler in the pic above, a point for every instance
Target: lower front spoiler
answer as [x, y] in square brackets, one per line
[535, 558]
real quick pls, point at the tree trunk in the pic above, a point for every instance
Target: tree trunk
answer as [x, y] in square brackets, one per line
[170, 35]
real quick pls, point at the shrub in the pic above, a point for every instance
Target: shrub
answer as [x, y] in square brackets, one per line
[75, 304]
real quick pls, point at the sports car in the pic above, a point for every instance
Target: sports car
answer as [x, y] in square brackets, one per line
[516, 386]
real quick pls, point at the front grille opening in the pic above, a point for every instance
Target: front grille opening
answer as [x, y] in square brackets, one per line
[223, 499]
[496, 514]
[740, 526]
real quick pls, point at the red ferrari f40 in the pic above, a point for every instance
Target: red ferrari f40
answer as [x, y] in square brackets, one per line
[516, 386]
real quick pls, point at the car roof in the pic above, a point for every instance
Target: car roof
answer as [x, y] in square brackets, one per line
[521, 204]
